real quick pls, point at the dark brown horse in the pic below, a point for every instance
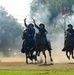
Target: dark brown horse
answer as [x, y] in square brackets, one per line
[40, 47]
[69, 46]
[27, 47]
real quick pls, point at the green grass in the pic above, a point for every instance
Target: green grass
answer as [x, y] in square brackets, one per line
[34, 73]
[36, 69]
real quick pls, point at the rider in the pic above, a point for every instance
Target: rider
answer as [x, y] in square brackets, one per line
[43, 32]
[69, 32]
[31, 32]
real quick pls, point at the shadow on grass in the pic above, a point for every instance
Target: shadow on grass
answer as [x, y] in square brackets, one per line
[32, 63]
[71, 63]
[46, 64]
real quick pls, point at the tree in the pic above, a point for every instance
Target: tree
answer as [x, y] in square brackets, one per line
[10, 30]
[54, 6]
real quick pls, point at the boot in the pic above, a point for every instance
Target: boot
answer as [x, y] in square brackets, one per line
[22, 50]
[63, 49]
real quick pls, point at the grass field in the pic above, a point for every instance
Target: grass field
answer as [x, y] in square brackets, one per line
[34, 73]
[15, 67]
[20, 68]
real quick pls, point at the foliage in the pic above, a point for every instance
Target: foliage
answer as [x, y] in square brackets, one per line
[54, 6]
[10, 29]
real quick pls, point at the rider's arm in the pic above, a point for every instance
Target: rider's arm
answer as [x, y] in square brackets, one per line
[35, 24]
[67, 33]
[45, 32]
[25, 23]
[23, 35]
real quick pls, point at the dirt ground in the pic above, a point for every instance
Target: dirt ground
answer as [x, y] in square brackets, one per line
[19, 64]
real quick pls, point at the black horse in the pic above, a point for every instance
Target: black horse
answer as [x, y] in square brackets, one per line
[69, 46]
[40, 47]
[27, 47]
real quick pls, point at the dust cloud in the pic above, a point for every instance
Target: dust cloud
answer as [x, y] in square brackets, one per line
[55, 35]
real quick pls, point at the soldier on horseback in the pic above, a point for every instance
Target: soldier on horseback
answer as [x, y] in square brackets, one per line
[69, 33]
[31, 32]
[43, 32]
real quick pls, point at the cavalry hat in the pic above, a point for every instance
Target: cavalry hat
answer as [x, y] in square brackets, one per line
[31, 25]
[42, 25]
[69, 25]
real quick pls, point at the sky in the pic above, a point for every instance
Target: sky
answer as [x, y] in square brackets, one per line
[18, 8]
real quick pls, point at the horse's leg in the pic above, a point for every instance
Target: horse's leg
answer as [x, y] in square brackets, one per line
[67, 55]
[44, 56]
[31, 58]
[35, 57]
[72, 54]
[50, 56]
[26, 59]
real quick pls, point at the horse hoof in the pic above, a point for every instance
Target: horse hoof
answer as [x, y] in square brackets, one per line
[38, 54]
[26, 62]
[73, 57]
[45, 63]
[69, 58]
[51, 60]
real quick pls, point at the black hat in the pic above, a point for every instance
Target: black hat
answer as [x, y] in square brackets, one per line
[70, 25]
[42, 25]
[31, 25]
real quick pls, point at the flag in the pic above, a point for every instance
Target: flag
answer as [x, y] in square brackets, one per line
[64, 12]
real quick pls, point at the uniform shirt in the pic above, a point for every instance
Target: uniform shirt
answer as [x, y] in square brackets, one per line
[71, 31]
[41, 31]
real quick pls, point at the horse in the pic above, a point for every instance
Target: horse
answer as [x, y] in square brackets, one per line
[40, 47]
[69, 46]
[27, 46]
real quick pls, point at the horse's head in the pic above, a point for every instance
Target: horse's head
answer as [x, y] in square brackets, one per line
[39, 39]
[26, 33]
[26, 36]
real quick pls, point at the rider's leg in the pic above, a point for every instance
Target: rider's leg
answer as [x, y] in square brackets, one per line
[73, 40]
[64, 46]
[23, 50]
[43, 38]
[47, 44]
